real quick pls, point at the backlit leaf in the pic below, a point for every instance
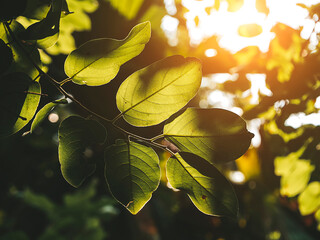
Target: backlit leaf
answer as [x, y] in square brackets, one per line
[216, 135]
[19, 99]
[295, 173]
[234, 5]
[132, 173]
[98, 61]
[207, 188]
[76, 134]
[309, 199]
[249, 30]
[152, 94]
[44, 112]
[127, 8]
[21, 58]
[46, 32]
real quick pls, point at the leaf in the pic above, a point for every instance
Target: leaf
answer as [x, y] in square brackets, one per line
[207, 188]
[152, 94]
[46, 32]
[21, 58]
[98, 61]
[234, 5]
[132, 172]
[11, 9]
[19, 99]
[216, 135]
[6, 57]
[128, 8]
[75, 135]
[249, 30]
[44, 112]
[37, 9]
[295, 174]
[309, 199]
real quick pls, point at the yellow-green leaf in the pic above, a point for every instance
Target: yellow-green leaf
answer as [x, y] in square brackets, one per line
[128, 8]
[19, 99]
[207, 188]
[309, 199]
[295, 173]
[152, 94]
[216, 135]
[43, 112]
[98, 61]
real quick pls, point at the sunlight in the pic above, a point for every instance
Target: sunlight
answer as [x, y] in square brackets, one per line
[244, 27]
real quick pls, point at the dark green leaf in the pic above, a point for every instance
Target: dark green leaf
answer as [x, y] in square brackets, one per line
[44, 112]
[37, 9]
[207, 188]
[152, 94]
[46, 32]
[6, 57]
[75, 135]
[216, 135]
[132, 173]
[98, 61]
[19, 99]
[21, 58]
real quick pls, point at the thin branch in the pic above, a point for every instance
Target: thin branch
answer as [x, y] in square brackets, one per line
[59, 85]
[157, 137]
[117, 118]
[65, 81]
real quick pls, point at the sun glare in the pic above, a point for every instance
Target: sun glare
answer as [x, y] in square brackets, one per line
[241, 28]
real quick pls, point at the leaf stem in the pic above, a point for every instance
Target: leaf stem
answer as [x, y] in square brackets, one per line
[117, 118]
[59, 87]
[65, 81]
[157, 137]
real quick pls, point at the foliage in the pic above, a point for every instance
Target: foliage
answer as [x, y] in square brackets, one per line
[148, 109]
[146, 98]
[80, 210]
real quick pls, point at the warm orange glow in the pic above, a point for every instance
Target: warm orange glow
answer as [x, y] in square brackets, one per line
[226, 22]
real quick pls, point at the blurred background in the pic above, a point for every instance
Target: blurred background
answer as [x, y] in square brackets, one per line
[260, 60]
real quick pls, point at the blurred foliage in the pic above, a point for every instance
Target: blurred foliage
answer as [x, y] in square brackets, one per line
[280, 196]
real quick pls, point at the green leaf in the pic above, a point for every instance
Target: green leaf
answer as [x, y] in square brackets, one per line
[21, 58]
[6, 57]
[152, 94]
[19, 99]
[128, 8]
[132, 173]
[46, 32]
[207, 188]
[309, 199]
[37, 9]
[295, 173]
[98, 61]
[44, 112]
[11, 9]
[76, 134]
[216, 135]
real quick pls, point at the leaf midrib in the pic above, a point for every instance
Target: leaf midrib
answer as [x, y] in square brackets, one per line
[165, 86]
[200, 184]
[119, 41]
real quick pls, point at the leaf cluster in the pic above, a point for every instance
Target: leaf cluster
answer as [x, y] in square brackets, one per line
[157, 94]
